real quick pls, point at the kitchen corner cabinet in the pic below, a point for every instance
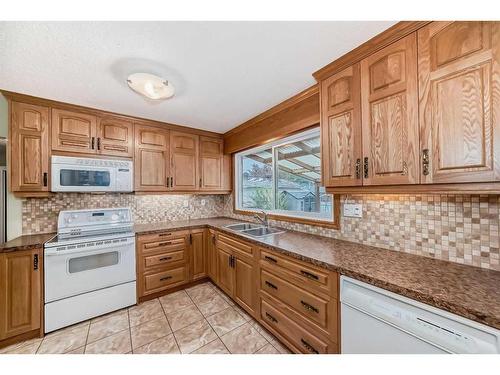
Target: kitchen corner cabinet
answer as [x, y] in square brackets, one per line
[184, 153]
[20, 292]
[29, 147]
[459, 87]
[198, 254]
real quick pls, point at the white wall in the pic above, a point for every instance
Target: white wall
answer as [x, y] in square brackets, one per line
[14, 206]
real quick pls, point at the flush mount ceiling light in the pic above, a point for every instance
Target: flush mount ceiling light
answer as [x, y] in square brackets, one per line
[151, 86]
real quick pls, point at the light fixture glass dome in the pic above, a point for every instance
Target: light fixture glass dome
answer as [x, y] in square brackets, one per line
[151, 86]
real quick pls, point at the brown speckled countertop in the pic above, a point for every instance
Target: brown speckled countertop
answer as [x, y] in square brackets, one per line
[464, 290]
[26, 242]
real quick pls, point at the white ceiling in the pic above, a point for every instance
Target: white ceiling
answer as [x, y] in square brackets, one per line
[224, 72]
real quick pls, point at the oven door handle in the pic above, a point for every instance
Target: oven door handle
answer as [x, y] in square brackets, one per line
[104, 249]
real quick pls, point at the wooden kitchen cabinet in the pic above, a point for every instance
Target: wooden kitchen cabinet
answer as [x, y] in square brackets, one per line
[244, 283]
[73, 131]
[198, 253]
[151, 164]
[184, 153]
[211, 255]
[225, 274]
[341, 128]
[459, 88]
[389, 108]
[29, 147]
[115, 137]
[20, 292]
[211, 163]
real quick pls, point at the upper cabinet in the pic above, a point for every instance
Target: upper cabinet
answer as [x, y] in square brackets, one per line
[184, 148]
[211, 163]
[459, 87]
[29, 147]
[430, 111]
[73, 132]
[151, 166]
[389, 103]
[341, 128]
[115, 137]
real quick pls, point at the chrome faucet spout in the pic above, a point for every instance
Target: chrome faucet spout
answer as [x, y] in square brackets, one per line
[263, 220]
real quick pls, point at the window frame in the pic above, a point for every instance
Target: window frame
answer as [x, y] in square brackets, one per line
[333, 222]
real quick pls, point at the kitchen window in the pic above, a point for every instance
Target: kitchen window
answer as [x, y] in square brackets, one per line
[283, 178]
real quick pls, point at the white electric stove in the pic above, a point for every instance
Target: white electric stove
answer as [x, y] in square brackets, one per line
[89, 266]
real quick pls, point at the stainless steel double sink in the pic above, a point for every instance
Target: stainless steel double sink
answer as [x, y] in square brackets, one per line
[254, 230]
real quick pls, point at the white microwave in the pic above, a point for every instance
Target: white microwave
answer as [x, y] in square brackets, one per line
[87, 174]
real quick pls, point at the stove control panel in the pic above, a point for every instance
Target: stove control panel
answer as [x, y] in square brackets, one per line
[94, 217]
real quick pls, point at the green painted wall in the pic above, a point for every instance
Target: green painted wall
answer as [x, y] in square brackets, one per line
[14, 205]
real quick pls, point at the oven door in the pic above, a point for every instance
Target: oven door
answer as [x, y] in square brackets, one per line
[68, 177]
[88, 266]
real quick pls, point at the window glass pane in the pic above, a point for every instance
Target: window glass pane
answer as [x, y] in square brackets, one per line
[299, 179]
[90, 262]
[257, 181]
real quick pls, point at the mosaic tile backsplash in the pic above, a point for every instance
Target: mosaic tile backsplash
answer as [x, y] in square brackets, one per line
[40, 214]
[457, 228]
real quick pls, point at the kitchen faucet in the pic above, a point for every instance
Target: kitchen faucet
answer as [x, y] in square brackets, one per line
[263, 220]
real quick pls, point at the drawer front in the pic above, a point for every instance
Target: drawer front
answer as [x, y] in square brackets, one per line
[164, 246]
[297, 335]
[165, 279]
[309, 274]
[233, 244]
[163, 236]
[164, 258]
[304, 302]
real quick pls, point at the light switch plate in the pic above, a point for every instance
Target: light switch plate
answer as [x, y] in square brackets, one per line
[185, 204]
[353, 210]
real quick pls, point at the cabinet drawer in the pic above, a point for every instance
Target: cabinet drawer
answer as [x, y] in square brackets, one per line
[309, 274]
[163, 236]
[297, 335]
[164, 246]
[230, 243]
[304, 302]
[165, 279]
[164, 258]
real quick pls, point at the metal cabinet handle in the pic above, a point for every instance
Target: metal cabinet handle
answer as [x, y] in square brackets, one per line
[165, 243]
[308, 346]
[165, 258]
[165, 278]
[309, 307]
[164, 234]
[200, 181]
[233, 261]
[35, 262]
[171, 182]
[270, 259]
[271, 285]
[309, 275]
[168, 181]
[404, 172]
[98, 143]
[92, 143]
[425, 161]
[365, 167]
[45, 178]
[358, 168]
[271, 318]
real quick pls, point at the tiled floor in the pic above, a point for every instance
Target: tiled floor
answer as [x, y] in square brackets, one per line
[199, 320]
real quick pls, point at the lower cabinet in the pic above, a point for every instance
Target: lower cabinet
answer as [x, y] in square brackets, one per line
[198, 245]
[20, 293]
[211, 256]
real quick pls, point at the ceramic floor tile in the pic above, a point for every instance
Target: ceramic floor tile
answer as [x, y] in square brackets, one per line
[14, 348]
[175, 301]
[77, 351]
[264, 332]
[244, 340]
[280, 347]
[68, 329]
[215, 347]
[182, 318]
[106, 327]
[225, 321]
[243, 313]
[145, 312]
[213, 306]
[202, 294]
[110, 315]
[165, 345]
[118, 343]
[64, 342]
[225, 297]
[147, 332]
[267, 349]
[194, 336]
[25, 349]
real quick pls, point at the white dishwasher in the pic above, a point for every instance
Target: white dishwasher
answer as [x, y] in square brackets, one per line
[374, 320]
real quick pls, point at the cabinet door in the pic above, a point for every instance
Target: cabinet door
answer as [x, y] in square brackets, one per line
[211, 163]
[73, 132]
[198, 254]
[20, 292]
[211, 256]
[341, 128]
[184, 161]
[151, 158]
[389, 106]
[115, 137]
[459, 101]
[225, 273]
[245, 284]
[29, 150]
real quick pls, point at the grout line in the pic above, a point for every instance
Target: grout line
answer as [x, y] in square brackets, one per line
[175, 338]
[130, 331]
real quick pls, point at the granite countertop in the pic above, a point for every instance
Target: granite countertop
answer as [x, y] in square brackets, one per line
[27, 242]
[467, 291]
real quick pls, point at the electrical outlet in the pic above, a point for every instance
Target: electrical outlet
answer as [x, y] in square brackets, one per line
[353, 210]
[185, 204]
[203, 202]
